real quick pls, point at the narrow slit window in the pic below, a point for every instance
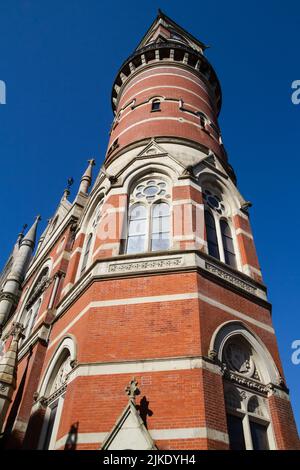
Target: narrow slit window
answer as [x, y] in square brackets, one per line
[160, 227]
[211, 235]
[86, 254]
[228, 247]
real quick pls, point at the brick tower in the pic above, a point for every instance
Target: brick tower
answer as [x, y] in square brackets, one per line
[142, 321]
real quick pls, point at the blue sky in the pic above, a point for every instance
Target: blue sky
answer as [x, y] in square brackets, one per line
[59, 59]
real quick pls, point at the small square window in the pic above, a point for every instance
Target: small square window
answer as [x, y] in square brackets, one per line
[155, 105]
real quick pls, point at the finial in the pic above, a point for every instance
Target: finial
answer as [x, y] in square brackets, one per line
[92, 162]
[132, 389]
[21, 234]
[245, 206]
[67, 191]
[23, 229]
[70, 182]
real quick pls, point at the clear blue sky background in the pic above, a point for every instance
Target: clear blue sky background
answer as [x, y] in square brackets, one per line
[59, 58]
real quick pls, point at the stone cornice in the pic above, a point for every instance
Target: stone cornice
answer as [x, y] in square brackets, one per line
[163, 263]
[167, 140]
[204, 69]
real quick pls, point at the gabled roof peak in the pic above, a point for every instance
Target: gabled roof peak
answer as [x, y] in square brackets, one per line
[164, 28]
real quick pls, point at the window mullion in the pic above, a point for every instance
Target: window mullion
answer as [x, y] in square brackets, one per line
[219, 238]
[149, 225]
[247, 433]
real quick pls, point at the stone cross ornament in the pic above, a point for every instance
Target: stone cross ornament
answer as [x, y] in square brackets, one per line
[132, 389]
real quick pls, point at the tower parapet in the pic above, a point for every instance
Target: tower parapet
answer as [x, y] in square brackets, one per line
[167, 89]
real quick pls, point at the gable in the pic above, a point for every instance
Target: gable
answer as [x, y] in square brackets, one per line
[129, 432]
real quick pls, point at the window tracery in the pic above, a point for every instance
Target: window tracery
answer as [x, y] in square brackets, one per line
[149, 216]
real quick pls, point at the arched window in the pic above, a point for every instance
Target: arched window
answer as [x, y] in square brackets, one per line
[211, 235]
[52, 389]
[86, 253]
[31, 317]
[155, 105]
[33, 303]
[248, 421]
[160, 226]
[91, 227]
[228, 247]
[149, 217]
[137, 230]
[220, 242]
[53, 399]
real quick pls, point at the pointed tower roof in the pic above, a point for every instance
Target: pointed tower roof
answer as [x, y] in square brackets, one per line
[164, 28]
[30, 237]
[20, 237]
[87, 177]
[166, 42]
[8, 265]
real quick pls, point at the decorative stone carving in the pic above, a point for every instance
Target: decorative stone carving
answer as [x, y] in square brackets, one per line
[243, 394]
[230, 278]
[132, 389]
[43, 401]
[3, 388]
[152, 151]
[246, 382]
[17, 331]
[238, 358]
[61, 376]
[40, 287]
[145, 265]
[212, 354]
[150, 190]
[254, 405]
[281, 382]
[74, 364]
[213, 201]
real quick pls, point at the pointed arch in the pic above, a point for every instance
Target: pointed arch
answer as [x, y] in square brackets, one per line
[91, 208]
[230, 329]
[52, 390]
[67, 346]
[33, 299]
[248, 371]
[89, 226]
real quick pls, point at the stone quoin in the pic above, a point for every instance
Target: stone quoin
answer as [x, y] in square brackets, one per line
[139, 319]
